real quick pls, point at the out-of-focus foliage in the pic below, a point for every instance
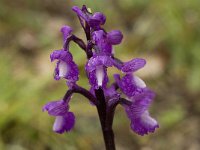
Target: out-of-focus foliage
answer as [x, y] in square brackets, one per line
[165, 32]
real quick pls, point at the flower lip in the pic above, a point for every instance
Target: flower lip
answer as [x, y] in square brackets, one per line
[64, 123]
[142, 127]
[141, 122]
[65, 120]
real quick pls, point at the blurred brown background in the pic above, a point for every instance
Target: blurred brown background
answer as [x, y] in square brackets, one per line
[166, 33]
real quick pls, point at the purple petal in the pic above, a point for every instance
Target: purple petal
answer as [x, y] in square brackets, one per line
[141, 102]
[97, 36]
[114, 37]
[144, 125]
[130, 85]
[92, 79]
[56, 108]
[64, 123]
[94, 22]
[66, 31]
[133, 65]
[111, 92]
[70, 121]
[56, 71]
[117, 63]
[100, 75]
[61, 55]
[58, 125]
[73, 72]
[61, 70]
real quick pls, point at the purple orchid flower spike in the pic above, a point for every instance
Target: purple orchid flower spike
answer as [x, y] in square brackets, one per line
[65, 120]
[99, 49]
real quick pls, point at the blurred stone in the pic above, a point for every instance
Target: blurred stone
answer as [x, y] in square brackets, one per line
[154, 67]
[27, 42]
[43, 65]
[146, 148]
[15, 147]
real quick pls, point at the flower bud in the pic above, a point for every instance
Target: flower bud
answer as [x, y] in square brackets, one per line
[99, 16]
[66, 31]
[114, 37]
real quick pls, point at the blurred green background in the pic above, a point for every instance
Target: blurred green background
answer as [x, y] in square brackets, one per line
[166, 33]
